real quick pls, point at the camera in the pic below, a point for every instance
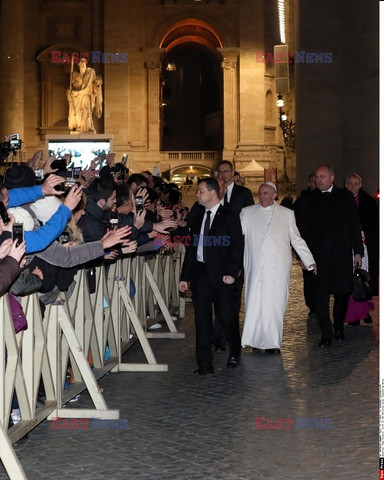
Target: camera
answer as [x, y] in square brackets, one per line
[15, 142]
[4, 214]
[18, 233]
[66, 186]
[12, 145]
[139, 203]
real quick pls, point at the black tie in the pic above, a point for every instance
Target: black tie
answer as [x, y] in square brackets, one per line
[207, 226]
[226, 199]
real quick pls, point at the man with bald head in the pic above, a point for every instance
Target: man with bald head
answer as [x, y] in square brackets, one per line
[269, 231]
[328, 221]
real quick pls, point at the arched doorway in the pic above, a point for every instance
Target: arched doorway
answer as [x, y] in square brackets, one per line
[189, 174]
[191, 116]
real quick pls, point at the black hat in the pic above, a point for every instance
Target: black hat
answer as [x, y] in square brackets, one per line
[19, 176]
[106, 172]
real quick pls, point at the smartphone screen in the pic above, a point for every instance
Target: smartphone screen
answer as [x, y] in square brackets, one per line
[18, 233]
[76, 172]
[139, 203]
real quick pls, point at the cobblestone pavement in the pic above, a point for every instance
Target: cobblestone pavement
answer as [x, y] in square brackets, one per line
[183, 427]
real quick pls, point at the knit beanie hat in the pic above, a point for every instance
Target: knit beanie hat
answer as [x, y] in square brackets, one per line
[19, 176]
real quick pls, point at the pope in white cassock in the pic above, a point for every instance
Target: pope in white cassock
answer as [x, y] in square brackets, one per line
[269, 231]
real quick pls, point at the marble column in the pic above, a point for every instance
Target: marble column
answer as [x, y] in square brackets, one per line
[230, 101]
[153, 66]
[336, 116]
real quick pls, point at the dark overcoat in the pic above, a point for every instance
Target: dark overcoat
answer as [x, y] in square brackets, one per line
[329, 224]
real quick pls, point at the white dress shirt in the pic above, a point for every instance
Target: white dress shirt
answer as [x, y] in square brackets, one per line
[200, 255]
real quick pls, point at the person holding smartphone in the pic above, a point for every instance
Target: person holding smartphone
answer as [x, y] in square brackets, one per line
[10, 257]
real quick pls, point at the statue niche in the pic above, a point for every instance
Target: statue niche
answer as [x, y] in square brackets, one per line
[85, 98]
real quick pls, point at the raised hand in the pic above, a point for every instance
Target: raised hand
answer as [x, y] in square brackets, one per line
[17, 252]
[47, 167]
[73, 197]
[34, 162]
[165, 213]
[113, 237]
[5, 247]
[110, 158]
[50, 184]
[165, 226]
[38, 273]
[111, 255]
[131, 247]
[139, 219]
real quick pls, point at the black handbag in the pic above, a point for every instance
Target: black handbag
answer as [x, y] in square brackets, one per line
[361, 287]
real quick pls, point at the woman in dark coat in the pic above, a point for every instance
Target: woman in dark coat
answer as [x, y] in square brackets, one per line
[10, 256]
[369, 224]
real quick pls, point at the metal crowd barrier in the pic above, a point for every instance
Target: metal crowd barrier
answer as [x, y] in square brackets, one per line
[77, 330]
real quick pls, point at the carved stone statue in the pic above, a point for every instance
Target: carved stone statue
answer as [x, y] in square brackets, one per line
[85, 98]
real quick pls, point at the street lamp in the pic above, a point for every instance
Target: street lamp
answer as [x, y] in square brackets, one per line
[287, 126]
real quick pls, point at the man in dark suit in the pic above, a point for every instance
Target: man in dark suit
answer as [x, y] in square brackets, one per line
[328, 222]
[237, 196]
[213, 261]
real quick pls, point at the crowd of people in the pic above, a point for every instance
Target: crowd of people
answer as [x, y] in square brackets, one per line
[100, 217]
[107, 213]
[67, 224]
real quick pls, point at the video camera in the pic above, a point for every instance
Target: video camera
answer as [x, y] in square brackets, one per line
[12, 145]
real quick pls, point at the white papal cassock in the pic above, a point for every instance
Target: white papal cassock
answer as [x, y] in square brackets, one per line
[269, 233]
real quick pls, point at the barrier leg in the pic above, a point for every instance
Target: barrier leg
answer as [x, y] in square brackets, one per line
[173, 333]
[152, 365]
[91, 385]
[9, 459]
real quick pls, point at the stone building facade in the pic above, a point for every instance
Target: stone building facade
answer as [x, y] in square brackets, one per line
[183, 84]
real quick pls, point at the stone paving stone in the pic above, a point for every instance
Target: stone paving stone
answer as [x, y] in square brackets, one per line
[183, 427]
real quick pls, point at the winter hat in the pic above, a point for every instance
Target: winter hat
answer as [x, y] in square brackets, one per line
[19, 176]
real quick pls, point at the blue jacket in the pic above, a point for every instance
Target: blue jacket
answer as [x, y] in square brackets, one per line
[19, 196]
[42, 237]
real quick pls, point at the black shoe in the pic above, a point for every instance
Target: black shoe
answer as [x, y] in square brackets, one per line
[368, 319]
[324, 342]
[204, 371]
[339, 335]
[233, 361]
[273, 351]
